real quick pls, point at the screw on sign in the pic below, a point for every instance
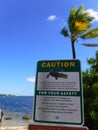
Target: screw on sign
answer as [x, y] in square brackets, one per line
[44, 127]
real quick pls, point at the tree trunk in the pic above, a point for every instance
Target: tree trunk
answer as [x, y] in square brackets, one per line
[73, 50]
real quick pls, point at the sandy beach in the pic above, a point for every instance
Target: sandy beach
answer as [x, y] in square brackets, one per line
[15, 128]
[15, 125]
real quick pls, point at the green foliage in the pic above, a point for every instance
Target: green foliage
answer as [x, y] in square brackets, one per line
[91, 61]
[90, 86]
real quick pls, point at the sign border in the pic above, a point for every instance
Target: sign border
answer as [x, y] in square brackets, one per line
[81, 97]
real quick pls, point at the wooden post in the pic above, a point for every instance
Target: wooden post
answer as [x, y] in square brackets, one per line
[45, 127]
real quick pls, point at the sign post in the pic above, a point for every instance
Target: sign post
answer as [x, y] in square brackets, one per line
[58, 92]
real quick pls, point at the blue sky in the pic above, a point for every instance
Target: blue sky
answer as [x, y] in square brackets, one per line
[30, 31]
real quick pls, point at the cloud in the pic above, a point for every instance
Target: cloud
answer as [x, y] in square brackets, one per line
[31, 79]
[93, 14]
[52, 18]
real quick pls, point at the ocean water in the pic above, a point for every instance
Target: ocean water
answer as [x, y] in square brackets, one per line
[16, 107]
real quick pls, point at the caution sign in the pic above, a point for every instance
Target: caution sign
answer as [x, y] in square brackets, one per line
[58, 92]
[43, 127]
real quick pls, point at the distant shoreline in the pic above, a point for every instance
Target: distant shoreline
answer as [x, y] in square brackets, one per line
[7, 95]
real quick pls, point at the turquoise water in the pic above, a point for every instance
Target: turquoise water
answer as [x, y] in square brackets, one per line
[16, 119]
[15, 107]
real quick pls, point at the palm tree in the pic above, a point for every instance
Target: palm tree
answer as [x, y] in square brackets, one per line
[79, 23]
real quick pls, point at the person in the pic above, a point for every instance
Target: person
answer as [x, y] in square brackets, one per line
[1, 116]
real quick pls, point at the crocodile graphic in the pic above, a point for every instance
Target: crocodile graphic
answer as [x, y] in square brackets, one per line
[57, 73]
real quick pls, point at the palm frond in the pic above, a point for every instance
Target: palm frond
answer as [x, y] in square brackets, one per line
[81, 26]
[90, 34]
[71, 19]
[79, 20]
[64, 32]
